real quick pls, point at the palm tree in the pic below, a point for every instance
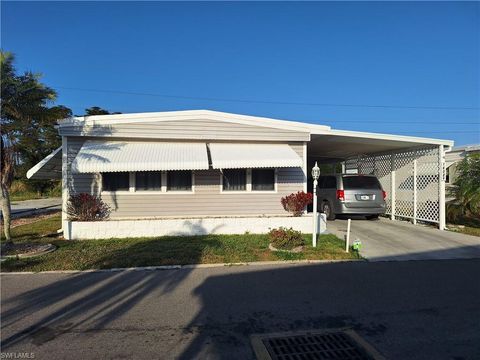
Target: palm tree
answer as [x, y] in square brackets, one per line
[466, 190]
[25, 119]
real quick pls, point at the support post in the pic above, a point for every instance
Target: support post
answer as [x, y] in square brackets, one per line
[343, 167]
[314, 233]
[304, 170]
[65, 192]
[392, 185]
[415, 191]
[347, 240]
[441, 188]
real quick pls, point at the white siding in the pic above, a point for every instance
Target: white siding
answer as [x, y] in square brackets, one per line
[191, 129]
[207, 200]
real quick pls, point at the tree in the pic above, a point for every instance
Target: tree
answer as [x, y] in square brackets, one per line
[27, 120]
[466, 189]
[95, 110]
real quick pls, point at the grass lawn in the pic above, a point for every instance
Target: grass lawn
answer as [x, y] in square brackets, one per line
[469, 226]
[26, 195]
[168, 250]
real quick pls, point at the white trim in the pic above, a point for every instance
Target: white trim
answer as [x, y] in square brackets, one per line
[132, 181]
[164, 182]
[249, 180]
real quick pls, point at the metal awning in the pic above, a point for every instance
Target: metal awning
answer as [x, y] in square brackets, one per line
[49, 168]
[239, 156]
[116, 156]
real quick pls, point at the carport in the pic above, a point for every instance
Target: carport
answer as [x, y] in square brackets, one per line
[410, 169]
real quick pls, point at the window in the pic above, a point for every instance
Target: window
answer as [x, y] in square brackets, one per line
[361, 182]
[115, 181]
[234, 179]
[263, 179]
[179, 181]
[148, 180]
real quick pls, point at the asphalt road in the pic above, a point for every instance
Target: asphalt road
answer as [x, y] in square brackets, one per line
[407, 310]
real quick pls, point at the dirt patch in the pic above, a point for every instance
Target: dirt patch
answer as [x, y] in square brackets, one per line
[25, 249]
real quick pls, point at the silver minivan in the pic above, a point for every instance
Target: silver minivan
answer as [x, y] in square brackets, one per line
[350, 194]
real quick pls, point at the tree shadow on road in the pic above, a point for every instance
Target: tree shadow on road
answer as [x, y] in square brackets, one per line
[90, 298]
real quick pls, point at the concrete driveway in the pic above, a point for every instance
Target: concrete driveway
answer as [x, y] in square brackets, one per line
[384, 239]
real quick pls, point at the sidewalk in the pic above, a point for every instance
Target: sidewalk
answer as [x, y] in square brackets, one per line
[37, 206]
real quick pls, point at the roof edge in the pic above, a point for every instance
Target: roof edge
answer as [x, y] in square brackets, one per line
[390, 137]
[191, 114]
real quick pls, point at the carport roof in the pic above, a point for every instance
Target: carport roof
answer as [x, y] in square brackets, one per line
[343, 144]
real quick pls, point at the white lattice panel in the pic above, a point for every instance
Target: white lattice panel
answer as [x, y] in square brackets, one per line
[402, 162]
[428, 184]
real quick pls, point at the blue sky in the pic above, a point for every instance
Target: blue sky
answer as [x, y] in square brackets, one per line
[406, 54]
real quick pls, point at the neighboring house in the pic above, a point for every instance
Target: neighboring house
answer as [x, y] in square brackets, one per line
[454, 156]
[192, 172]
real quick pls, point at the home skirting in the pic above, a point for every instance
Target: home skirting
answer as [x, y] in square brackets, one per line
[75, 230]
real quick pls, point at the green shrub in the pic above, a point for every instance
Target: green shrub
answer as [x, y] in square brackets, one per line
[285, 239]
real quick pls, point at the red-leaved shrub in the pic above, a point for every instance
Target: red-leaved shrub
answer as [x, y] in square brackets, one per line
[296, 202]
[86, 207]
[285, 239]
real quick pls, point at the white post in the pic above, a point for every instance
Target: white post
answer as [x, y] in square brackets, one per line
[314, 233]
[65, 193]
[415, 191]
[343, 167]
[347, 240]
[441, 187]
[305, 168]
[392, 185]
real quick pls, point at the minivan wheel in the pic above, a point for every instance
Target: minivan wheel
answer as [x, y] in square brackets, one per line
[372, 217]
[328, 211]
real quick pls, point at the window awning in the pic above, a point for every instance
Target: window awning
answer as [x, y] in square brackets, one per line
[239, 156]
[116, 156]
[49, 168]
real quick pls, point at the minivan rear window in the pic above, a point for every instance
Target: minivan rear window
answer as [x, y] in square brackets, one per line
[361, 182]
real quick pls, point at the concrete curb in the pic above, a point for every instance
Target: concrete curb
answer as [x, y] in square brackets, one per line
[189, 266]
